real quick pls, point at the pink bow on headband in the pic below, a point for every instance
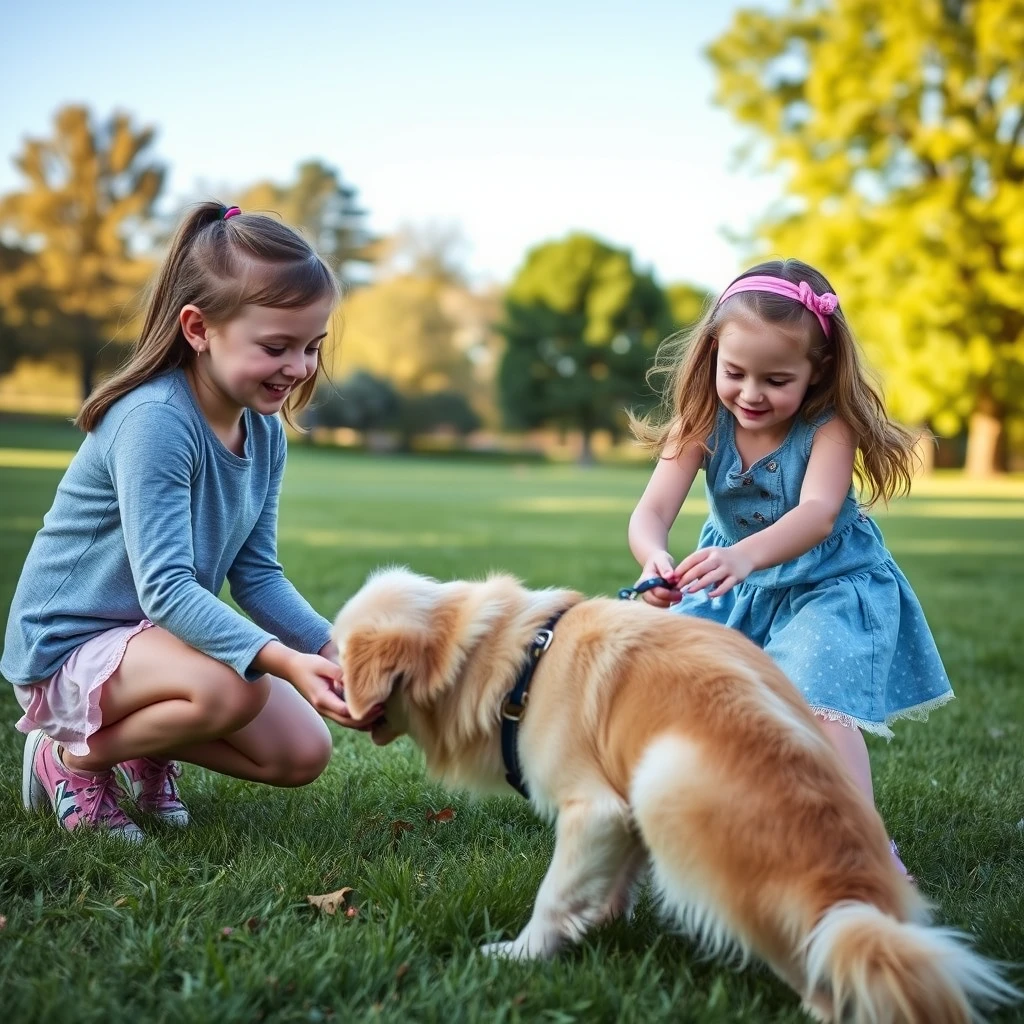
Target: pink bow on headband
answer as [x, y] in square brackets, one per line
[821, 306]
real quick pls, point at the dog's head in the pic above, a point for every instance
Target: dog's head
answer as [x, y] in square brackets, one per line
[393, 646]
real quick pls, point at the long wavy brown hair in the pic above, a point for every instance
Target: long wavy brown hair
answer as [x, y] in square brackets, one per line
[686, 365]
[220, 266]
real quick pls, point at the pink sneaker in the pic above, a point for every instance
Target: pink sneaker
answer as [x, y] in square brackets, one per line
[77, 799]
[894, 850]
[150, 783]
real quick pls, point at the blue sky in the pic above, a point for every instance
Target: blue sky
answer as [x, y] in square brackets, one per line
[519, 122]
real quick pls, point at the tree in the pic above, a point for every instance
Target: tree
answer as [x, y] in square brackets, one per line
[89, 195]
[580, 325]
[437, 410]
[399, 329]
[360, 402]
[325, 208]
[686, 303]
[898, 130]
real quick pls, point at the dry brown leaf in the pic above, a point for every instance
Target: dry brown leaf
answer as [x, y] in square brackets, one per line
[445, 814]
[398, 827]
[330, 902]
[253, 924]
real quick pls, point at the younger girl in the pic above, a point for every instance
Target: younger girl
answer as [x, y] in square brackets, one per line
[770, 399]
[120, 651]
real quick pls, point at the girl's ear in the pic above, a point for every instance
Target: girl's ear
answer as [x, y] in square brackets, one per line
[193, 326]
[818, 369]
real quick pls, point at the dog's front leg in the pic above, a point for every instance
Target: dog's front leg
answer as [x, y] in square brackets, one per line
[593, 841]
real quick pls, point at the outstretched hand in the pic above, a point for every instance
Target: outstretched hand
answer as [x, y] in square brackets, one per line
[320, 681]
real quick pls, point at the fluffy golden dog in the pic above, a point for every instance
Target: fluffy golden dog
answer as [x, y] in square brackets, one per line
[662, 740]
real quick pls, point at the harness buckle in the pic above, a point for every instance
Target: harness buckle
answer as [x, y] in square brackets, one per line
[542, 641]
[514, 712]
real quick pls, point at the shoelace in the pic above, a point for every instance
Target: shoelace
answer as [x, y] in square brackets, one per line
[98, 801]
[158, 778]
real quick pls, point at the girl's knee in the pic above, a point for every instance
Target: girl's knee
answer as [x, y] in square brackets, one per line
[305, 758]
[227, 702]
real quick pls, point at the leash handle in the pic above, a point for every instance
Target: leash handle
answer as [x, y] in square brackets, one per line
[632, 593]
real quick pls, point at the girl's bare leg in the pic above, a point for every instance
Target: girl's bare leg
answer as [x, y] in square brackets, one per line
[167, 699]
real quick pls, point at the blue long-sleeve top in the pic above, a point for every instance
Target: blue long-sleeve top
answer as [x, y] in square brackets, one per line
[152, 515]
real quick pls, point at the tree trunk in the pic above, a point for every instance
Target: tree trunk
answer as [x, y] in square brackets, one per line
[88, 352]
[925, 448]
[586, 448]
[986, 452]
[88, 371]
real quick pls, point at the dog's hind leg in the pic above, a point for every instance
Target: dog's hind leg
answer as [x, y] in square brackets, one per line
[594, 843]
[676, 801]
[622, 898]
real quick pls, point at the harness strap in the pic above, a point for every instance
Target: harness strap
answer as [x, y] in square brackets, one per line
[514, 706]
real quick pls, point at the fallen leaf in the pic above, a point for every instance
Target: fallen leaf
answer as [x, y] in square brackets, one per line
[330, 902]
[446, 814]
[398, 827]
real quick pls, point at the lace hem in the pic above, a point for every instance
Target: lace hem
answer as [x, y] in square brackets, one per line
[919, 713]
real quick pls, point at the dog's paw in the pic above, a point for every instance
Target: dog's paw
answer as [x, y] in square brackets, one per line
[509, 950]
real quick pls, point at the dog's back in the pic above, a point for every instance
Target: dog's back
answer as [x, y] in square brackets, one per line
[758, 838]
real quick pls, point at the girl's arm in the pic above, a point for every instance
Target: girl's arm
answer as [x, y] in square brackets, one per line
[151, 460]
[652, 519]
[825, 487]
[258, 582]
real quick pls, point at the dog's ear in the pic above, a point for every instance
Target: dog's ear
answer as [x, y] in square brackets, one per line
[376, 661]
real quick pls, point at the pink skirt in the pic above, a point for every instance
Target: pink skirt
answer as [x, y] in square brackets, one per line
[67, 705]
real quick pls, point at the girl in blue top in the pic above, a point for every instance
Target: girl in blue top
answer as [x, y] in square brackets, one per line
[770, 399]
[120, 651]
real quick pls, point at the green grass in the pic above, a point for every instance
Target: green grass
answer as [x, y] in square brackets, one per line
[98, 932]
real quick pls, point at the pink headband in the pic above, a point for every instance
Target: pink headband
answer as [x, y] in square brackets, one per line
[821, 306]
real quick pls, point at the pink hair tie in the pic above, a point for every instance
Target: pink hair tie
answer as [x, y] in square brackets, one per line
[821, 306]
[231, 211]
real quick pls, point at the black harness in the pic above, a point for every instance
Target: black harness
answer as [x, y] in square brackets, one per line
[514, 705]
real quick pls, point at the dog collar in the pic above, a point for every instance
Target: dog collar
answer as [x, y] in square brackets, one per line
[513, 707]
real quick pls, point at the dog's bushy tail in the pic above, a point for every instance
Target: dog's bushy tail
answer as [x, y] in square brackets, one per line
[874, 969]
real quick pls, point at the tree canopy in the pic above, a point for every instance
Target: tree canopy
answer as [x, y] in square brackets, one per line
[581, 324]
[71, 277]
[897, 129]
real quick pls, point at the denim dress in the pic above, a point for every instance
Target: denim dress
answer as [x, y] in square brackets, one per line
[841, 619]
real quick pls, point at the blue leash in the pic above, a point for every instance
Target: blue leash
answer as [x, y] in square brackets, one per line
[632, 593]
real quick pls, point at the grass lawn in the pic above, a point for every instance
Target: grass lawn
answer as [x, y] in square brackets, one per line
[213, 924]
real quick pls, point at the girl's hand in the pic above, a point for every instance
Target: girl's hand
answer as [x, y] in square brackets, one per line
[320, 681]
[721, 567]
[659, 564]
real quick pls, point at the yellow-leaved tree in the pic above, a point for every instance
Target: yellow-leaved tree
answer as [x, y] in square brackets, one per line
[72, 276]
[897, 129]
